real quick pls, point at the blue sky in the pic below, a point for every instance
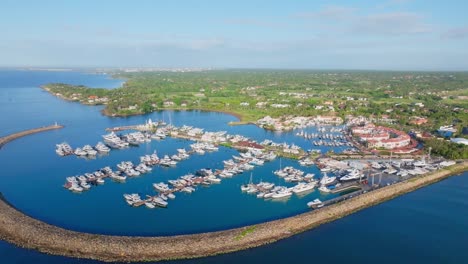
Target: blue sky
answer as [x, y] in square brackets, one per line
[321, 34]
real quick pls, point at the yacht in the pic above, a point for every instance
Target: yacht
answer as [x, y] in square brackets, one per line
[80, 152]
[161, 187]
[324, 189]
[89, 150]
[284, 193]
[116, 177]
[353, 175]
[315, 204]
[303, 187]
[85, 185]
[376, 165]
[327, 180]
[306, 162]
[100, 181]
[150, 205]
[160, 202]
[76, 188]
[102, 148]
[114, 141]
[213, 179]
[402, 173]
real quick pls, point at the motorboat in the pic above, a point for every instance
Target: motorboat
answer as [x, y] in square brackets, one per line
[315, 203]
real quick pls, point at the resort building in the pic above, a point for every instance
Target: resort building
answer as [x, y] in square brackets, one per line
[381, 137]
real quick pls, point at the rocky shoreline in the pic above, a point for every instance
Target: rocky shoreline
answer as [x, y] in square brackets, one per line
[27, 232]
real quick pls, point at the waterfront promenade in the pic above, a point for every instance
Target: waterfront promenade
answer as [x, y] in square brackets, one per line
[4, 140]
[24, 231]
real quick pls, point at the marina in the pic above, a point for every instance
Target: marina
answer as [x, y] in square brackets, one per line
[93, 210]
[335, 177]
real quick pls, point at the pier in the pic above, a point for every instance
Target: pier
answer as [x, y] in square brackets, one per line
[28, 232]
[6, 139]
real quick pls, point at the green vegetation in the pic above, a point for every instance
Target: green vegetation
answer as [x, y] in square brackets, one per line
[442, 98]
[245, 232]
[447, 149]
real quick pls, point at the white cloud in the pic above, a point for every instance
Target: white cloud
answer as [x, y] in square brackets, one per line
[396, 23]
[456, 33]
[333, 12]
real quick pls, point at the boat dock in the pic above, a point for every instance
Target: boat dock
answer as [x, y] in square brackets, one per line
[114, 129]
[6, 139]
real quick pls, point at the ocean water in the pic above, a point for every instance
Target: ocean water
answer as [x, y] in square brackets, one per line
[428, 225]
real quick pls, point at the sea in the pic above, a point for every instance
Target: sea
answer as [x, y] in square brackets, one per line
[429, 225]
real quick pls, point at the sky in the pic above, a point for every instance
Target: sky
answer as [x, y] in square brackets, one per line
[310, 34]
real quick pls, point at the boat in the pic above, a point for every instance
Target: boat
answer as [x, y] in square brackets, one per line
[80, 152]
[102, 148]
[353, 175]
[76, 188]
[85, 185]
[327, 180]
[303, 187]
[116, 177]
[161, 187]
[213, 179]
[89, 150]
[160, 202]
[315, 203]
[324, 189]
[282, 194]
[149, 205]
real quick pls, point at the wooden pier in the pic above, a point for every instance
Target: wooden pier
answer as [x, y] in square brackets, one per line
[6, 139]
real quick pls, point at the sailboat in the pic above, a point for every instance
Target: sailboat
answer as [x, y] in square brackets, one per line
[246, 187]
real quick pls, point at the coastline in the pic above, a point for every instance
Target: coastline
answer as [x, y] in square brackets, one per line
[236, 115]
[104, 111]
[27, 232]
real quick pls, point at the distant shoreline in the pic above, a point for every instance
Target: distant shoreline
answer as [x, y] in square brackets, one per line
[27, 232]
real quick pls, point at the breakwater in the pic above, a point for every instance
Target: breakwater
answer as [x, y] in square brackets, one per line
[27, 232]
[4, 140]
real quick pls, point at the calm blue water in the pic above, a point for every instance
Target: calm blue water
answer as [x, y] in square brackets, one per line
[32, 175]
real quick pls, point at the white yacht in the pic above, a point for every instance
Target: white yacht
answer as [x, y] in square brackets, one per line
[150, 205]
[89, 150]
[353, 175]
[160, 202]
[284, 193]
[102, 148]
[303, 187]
[315, 204]
[327, 180]
[161, 187]
[80, 152]
[324, 189]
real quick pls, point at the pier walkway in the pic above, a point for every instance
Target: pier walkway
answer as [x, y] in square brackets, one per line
[6, 139]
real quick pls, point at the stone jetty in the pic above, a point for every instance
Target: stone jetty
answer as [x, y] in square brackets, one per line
[6, 139]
